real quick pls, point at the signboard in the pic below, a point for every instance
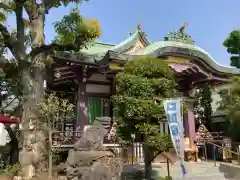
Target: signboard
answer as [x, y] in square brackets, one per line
[174, 116]
[227, 142]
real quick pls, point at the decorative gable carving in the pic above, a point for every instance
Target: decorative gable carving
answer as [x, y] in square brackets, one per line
[137, 46]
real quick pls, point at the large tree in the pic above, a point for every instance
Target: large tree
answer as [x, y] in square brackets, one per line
[202, 105]
[31, 55]
[232, 43]
[230, 104]
[141, 87]
[230, 99]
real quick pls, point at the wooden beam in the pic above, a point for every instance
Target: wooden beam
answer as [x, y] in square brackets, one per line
[98, 82]
[63, 73]
[62, 82]
[64, 78]
[62, 68]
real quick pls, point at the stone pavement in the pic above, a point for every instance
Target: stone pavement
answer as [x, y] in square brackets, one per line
[195, 171]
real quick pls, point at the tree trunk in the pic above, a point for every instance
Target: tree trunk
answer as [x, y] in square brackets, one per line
[33, 156]
[148, 162]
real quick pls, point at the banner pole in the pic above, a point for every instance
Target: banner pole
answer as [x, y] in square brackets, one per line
[182, 113]
[174, 111]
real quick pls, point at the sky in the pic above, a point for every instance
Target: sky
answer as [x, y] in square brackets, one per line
[209, 21]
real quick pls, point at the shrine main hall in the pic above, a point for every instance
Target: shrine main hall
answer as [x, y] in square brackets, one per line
[88, 78]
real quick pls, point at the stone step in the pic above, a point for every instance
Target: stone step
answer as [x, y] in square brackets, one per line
[195, 171]
[190, 172]
[207, 176]
[193, 175]
[202, 178]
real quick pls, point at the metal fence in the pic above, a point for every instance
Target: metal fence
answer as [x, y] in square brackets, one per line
[130, 153]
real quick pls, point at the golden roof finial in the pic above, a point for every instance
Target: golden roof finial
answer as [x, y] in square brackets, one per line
[137, 28]
[184, 26]
[139, 22]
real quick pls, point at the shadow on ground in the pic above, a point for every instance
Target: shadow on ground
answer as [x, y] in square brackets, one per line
[230, 171]
[136, 172]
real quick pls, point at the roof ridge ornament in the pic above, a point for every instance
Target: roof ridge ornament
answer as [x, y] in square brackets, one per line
[138, 28]
[139, 25]
[180, 35]
[183, 27]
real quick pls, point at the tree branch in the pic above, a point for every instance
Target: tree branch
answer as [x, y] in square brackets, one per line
[55, 47]
[165, 154]
[155, 155]
[168, 156]
[21, 1]
[5, 7]
[8, 104]
[20, 26]
[8, 40]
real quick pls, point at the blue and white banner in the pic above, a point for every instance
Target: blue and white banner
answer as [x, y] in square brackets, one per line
[173, 110]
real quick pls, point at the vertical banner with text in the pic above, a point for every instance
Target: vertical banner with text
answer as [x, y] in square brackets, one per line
[173, 109]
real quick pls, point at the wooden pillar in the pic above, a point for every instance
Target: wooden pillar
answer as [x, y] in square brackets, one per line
[113, 92]
[81, 103]
[189, 122]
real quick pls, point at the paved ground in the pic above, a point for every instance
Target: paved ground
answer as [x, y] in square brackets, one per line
[195, 171]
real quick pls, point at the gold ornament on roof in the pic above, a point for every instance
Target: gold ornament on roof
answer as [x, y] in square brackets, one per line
[180, 35]
[139, 24]
[184, 26]
[210, 76]
[137, 28]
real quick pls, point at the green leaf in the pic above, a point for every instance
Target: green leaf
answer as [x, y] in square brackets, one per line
[74, 29]
[138, 86]
[232, 43]
[230, 104]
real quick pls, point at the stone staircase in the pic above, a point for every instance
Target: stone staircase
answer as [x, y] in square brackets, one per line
[195, 171]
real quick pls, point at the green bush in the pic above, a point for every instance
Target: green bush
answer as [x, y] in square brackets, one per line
[139, 175]
[134, 175]
[9, 170]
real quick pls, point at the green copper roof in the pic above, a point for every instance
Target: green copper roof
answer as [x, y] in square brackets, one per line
[130, 41]
[97, 47]
[192, 49]
[101, 48]
[176, 41]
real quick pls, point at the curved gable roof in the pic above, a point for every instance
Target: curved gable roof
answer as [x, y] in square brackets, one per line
[160, 47]
[102, 48]
[174, 42]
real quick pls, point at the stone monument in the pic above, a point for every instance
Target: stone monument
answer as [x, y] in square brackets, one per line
[90, 159]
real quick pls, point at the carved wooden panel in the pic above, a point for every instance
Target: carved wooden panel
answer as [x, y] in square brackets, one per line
[137, 46]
